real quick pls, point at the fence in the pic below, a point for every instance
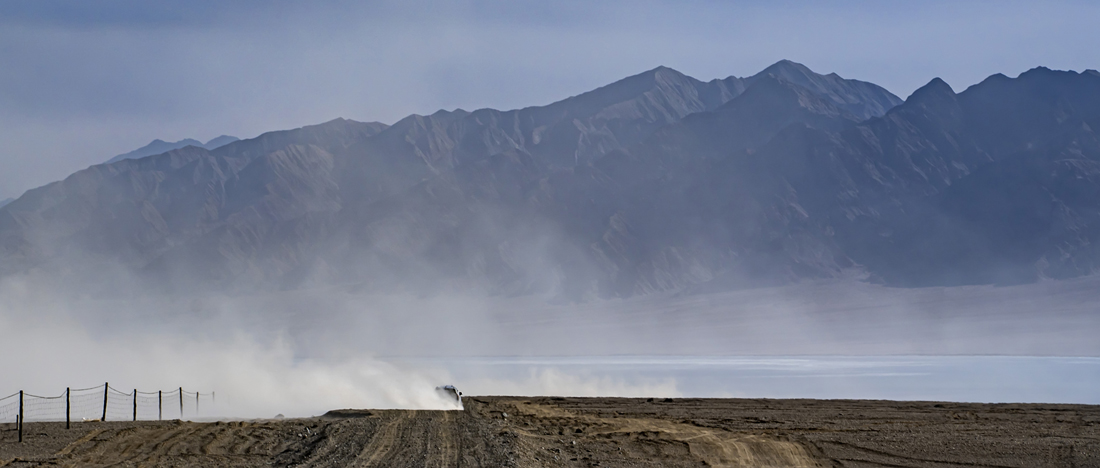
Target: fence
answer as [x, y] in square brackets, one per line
[101, 403]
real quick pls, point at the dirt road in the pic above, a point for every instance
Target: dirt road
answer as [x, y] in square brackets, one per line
[341, 439]
[605, 432]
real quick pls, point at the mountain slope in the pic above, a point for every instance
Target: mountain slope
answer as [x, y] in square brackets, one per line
[946, 188]
[134, 212]
[656, 182]
[518, 183]
[690, 189]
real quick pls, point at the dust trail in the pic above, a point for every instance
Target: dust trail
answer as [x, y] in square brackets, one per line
[305, 352]
[259, 360]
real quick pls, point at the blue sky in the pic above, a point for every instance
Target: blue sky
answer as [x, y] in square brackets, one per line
[82, 81]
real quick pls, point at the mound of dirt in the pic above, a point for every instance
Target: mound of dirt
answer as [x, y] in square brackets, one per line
[583, 432]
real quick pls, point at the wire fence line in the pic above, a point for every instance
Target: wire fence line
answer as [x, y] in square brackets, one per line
[102, 403]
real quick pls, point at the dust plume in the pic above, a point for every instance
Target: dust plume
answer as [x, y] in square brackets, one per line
[260, 362]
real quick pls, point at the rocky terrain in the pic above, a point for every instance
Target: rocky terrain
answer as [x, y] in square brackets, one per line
[658, 182]
[584, 432]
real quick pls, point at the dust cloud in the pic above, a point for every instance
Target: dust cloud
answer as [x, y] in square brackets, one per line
[304, 352]
[262, 355]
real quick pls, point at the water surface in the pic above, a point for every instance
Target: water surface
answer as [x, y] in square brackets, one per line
[941, 378]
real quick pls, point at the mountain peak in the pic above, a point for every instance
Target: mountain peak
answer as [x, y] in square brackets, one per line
[156, 146]
[626, 89]
[785, 67]
[934, 101]
[659, 75]
[936, 87]
[662, 70]
[862, 99]
[994, 79]
[1045, 75]
[1040, 70]
[219, 142]
[445, 113]
[794, 72]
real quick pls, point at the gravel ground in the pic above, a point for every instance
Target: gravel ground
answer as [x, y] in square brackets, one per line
[582, 432]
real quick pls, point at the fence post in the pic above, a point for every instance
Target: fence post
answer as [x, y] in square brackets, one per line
[67, 406]
[160, 405]
[106, 386]
[181, 403]
[20, 416]
[135, 404]
[196, 403]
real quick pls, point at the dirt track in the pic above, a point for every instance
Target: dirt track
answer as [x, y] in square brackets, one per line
[606, 432]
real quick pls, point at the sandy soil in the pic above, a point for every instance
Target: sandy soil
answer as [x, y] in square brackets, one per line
[606, 432]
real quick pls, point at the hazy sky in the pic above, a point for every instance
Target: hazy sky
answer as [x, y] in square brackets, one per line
[83, 81]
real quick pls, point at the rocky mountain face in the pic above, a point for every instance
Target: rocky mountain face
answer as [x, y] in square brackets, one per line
[657, 182]
[159, 146]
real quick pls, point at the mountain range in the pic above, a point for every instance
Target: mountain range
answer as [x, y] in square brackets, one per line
[159, 146]
[657, 182]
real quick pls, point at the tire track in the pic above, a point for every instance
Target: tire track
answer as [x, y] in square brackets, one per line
[381, 445]
[715, 447]
[78, 442]
[414, 438]
[448, 445]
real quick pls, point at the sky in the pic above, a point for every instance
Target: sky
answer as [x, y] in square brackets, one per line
[83, 81]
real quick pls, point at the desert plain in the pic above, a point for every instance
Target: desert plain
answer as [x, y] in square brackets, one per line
[585, 432]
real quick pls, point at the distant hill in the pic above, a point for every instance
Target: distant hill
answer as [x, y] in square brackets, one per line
[6, 201]
[220, 141]
[160, 146]
[657, 182]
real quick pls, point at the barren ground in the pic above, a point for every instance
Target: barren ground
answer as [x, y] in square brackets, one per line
[606, 432]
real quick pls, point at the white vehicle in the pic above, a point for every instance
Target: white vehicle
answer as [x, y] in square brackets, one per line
[450, 392]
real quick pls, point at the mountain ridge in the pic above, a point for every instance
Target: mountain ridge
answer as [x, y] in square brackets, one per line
[159, 146]
[657, 182]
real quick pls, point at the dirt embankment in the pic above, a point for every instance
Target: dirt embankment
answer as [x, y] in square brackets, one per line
[606, 432]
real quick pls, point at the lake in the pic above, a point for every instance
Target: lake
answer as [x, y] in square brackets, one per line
[942, 378]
